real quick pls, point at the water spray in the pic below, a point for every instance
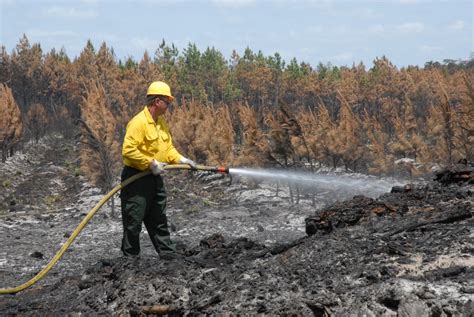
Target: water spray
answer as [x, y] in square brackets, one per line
[367, 185]
[358, 183]
[354, 183]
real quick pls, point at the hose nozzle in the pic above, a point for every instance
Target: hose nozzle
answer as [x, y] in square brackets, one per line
[214, 169]
[222, 169]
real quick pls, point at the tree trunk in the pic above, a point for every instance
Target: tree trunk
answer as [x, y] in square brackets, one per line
[113, 206]
[4, 153]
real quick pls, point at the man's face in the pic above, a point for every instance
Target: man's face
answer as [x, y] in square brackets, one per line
[161, 105]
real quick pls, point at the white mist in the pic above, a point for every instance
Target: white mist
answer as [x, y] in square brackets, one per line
[357, 183]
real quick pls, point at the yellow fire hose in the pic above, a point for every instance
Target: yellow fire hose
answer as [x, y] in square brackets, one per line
[91, 214]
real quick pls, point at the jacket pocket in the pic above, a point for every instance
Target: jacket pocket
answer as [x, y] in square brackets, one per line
[151, 134]
[164, 136]
[151, 141]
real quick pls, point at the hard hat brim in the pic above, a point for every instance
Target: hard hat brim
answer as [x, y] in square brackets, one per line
[171, 98]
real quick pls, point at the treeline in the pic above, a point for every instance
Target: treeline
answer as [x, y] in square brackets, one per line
[250, 109]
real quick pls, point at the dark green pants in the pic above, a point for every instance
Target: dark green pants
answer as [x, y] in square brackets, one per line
[144, 201]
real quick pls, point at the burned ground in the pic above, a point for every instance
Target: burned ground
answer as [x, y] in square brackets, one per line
[243, 250]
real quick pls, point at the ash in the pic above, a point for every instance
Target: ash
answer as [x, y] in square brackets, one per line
[245, 248]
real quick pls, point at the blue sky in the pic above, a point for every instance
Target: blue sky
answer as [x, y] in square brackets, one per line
[341, 32]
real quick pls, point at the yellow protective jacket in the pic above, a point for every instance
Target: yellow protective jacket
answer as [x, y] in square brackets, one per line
[146, 140]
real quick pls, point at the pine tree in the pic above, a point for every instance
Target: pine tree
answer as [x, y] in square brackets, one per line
[309, 126]
[381, 162]
[203, 132]
[216, 142]
[26, 63]
[166, 65]
[5, 66]
[323, 148]
[99, 148]
[192, 85]
[11, 127]
[408, 142]
[465, 119]
[213, 74]
[279, 139]
[36, 121]
[441, 123]
[185, 122]
[348, 136]
[55, 90]
[255, 149]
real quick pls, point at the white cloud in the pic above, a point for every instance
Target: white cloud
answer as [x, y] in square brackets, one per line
[458, 25]
[105, 37]
[364, 13]
[234, 19]
[143, 43]
[411, 27]
[38, 33]
[292, 34]
[343, 29]
[154, 3]
[346, 56]
[233, 4]
[377, 29]
[7, 2]
[305, 50]
[429, 49]
[408, 1]
[315, 29]
[64, 12]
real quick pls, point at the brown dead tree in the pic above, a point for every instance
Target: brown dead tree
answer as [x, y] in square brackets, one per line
[99, 148]
[11, 127]
[36, 121]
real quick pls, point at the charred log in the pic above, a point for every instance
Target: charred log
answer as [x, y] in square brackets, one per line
[157, 310]
[460, 173]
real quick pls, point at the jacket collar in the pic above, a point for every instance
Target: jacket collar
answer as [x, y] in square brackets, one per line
[148, 116]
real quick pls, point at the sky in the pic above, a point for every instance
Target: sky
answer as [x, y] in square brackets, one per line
[339, 32]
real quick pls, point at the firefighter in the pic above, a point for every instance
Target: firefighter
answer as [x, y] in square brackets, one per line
[148, 145]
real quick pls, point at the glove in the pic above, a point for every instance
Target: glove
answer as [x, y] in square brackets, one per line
[191, 163]
[157, 167]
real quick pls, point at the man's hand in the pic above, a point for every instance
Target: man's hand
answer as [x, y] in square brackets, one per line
[189, 162]
[157, 167]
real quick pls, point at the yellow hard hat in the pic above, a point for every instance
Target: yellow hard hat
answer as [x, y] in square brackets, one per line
[159, 88]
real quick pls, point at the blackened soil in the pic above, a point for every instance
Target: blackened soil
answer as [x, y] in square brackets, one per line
[406, 253]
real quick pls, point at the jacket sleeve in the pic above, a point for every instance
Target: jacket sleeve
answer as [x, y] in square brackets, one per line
[173, 155]
[134, 136]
